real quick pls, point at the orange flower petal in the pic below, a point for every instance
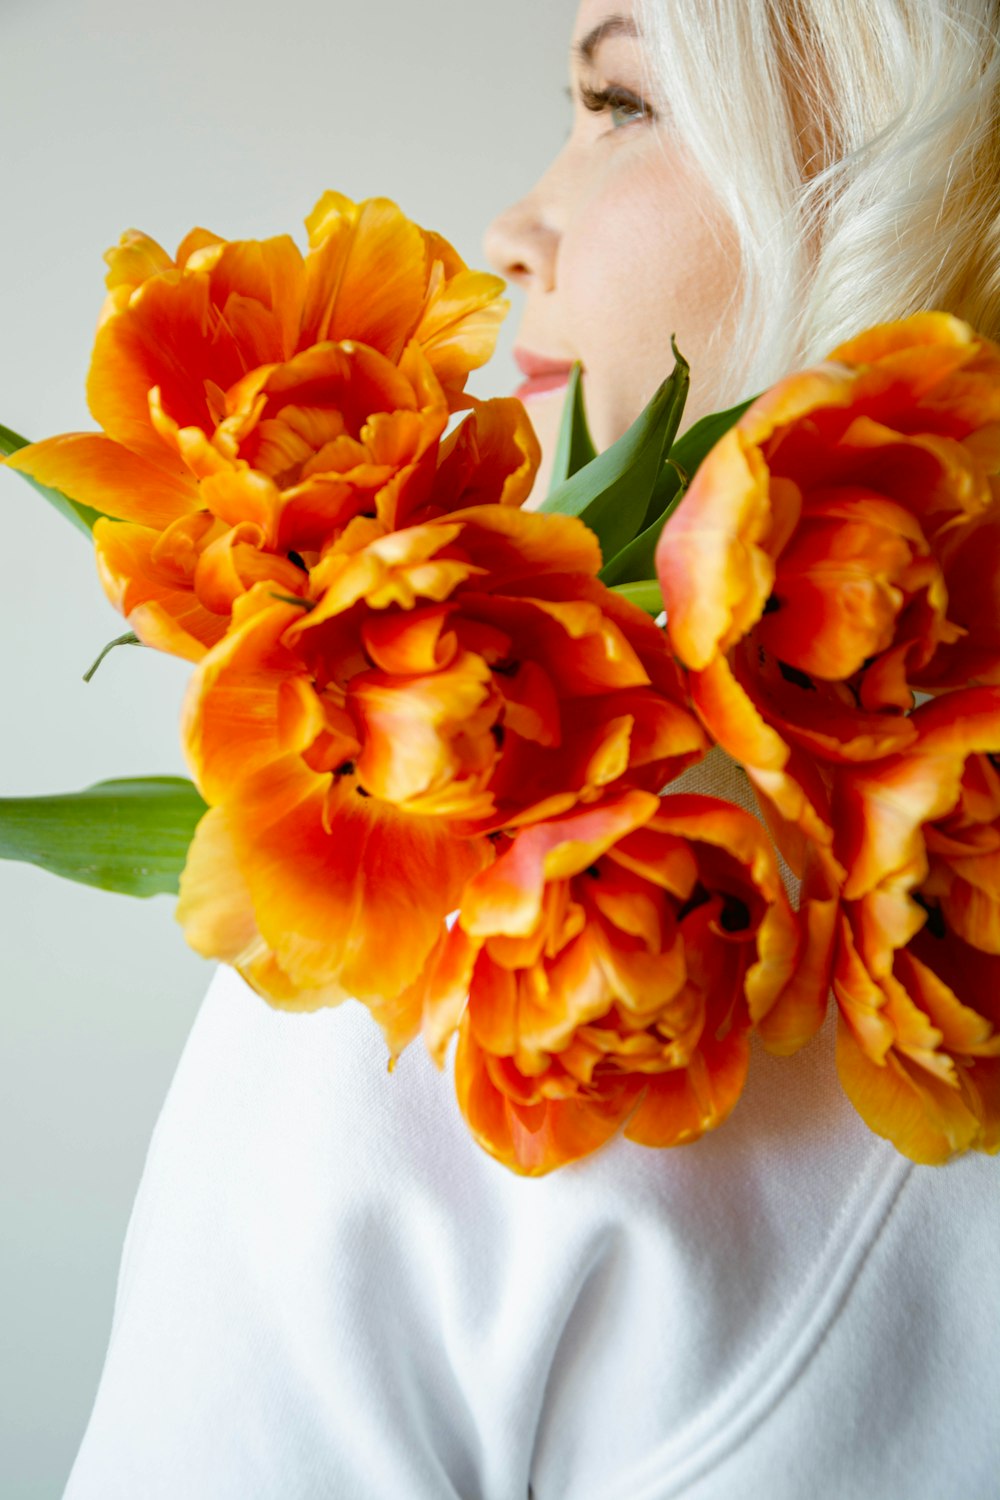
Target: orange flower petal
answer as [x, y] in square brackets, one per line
[331, 872]
[95, 471]
[167, 337]
[507, 897]
[680, 1106]
[365, 277]
[533, 1140]
[924, 1118]
[250, 701]
[155, 597]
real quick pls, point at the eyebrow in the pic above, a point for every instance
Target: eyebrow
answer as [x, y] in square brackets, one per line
[584, 50]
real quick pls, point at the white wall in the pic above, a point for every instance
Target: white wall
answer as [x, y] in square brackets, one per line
[116, 113]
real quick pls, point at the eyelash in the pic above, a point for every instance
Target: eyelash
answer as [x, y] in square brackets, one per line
[612, 98]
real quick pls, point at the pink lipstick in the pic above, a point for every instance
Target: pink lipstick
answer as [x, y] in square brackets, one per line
[543, 374]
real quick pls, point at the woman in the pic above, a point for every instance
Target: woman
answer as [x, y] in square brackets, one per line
[327, 1288]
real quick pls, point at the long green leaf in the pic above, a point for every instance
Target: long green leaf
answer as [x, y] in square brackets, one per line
[575, 446]
[637, 560]
[687, 453]
[82, 516]
[130, 835]
[611, 493]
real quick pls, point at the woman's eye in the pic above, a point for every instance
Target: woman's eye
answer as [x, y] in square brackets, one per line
[623, 107]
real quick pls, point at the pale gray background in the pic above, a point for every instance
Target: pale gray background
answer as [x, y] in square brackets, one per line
[119, 113]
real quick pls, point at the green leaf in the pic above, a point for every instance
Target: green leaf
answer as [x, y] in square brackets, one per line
[645, 592]
[81, 516]
[575, 447]
[687, 453]
[637, 560]
[611, 493]
[128, 639]
[130, 836]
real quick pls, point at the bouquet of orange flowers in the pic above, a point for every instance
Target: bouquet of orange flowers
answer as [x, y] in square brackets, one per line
[434, 736]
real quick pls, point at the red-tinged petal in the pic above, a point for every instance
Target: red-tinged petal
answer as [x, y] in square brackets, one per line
[837, 597]
[214, 905]
[348, 375]
[250, 700]
[507, 898]
[732, 720]
[974, 914]
[981, 1080]
[862, 1001]
[216, 912]
[878, 814]
[971, 564]
[786, 1020]
[925, 1119]
[533, 1140]
[531, 705]
[795, 804]
[962, 1029]
[167, 337]
[200, 454]
[681, 1105]
[411, 643]
[520, 545]
[365, 278]
[95, 471]
[242, 495]
[233, 563]
[961, 723]
[332, 872]
[154, 595]
[714, 570]
[425, 733]
[490, 459]
[269, 273]
[556, 1000]
[711, 820]
[644, 983]
[494, 1008]
[657, 857]
[444, 989]
[821, 717]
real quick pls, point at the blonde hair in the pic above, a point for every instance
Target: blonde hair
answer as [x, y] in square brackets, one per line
[855, 145]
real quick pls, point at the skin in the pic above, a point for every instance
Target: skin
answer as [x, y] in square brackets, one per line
[618, 245]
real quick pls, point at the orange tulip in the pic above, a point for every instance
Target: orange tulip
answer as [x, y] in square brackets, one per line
[803, 574]
[970, 561]
[253, 400]
[361, 750]
[614, 961]
[917, 970]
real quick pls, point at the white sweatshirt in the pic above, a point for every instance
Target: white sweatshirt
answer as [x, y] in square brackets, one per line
[328, 1291]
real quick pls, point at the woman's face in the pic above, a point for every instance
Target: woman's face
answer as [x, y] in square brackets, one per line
[618, 246]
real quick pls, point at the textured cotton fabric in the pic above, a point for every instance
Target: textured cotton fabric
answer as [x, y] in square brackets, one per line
[328, 1291]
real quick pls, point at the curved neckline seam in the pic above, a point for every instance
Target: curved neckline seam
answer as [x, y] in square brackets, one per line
[772, 1372]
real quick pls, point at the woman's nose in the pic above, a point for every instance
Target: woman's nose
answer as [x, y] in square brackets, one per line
[522, 247]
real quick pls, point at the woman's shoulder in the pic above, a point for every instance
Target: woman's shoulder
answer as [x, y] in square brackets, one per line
[318, 1243]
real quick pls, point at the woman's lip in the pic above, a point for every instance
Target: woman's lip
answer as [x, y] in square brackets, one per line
[555, 380]
[533, 365]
